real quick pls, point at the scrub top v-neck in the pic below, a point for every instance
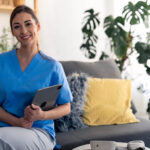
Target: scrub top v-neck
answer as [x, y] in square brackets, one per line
[17, 87]
[30, 66]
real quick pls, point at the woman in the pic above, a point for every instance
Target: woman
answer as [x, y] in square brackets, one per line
[24, 126]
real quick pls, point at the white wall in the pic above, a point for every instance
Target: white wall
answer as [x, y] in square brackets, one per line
[61, 24]
[4, 19]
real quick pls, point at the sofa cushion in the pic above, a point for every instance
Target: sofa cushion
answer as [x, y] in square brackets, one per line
[108, 102]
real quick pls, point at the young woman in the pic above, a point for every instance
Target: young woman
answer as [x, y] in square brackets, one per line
[24, 126]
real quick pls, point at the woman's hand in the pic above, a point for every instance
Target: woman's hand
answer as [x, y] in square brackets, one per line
[13, 120]
[33, 113]
[22, 122]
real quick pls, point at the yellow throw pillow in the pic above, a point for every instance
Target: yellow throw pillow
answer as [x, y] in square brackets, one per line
[108, 102]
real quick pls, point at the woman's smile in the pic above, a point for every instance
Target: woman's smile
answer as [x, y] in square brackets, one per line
[25, 37]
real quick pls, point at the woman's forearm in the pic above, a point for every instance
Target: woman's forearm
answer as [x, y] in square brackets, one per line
[57, 112]
[8, 118]
[34, 112]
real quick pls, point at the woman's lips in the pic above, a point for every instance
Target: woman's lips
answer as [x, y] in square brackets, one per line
[26, 37]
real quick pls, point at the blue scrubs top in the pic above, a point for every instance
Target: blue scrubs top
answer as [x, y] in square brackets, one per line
[18, 88]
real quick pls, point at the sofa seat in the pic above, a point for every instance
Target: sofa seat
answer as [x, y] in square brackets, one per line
[120, 133]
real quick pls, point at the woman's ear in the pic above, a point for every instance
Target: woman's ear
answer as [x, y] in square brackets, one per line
[38, 26]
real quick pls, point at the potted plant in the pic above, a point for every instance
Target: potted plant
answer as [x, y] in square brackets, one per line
[6, 41]
[121, 40]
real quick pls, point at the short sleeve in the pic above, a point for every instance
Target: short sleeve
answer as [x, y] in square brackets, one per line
[59, 77]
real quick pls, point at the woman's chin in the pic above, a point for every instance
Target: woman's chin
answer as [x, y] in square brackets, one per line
[27, 43]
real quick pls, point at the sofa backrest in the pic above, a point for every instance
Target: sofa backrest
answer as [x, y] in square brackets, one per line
[98, 69]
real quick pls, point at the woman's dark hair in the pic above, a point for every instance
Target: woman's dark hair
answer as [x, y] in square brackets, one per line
[22, 8]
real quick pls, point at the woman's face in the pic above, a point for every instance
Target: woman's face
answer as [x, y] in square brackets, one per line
[25, 29]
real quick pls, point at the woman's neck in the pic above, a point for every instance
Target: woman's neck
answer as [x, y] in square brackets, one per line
[25, 55]
[27, 51]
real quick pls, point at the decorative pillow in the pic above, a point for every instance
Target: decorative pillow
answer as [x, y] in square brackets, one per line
[77, 83]
[108, 102]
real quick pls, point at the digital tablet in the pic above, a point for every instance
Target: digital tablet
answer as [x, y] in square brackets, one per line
[46, 97]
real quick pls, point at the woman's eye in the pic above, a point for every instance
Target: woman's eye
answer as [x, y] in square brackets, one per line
[28, 24]
[16, 27]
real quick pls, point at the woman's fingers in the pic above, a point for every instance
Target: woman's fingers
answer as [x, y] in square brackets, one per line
[33, 113]
[25, 123]
[28, 112]
[34, 107]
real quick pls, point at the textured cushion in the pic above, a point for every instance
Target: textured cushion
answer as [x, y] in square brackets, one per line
[77, 83]
[100, 69]
[108, 102]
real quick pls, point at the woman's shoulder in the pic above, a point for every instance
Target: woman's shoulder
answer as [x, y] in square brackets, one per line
[46, 57]
[49, 59]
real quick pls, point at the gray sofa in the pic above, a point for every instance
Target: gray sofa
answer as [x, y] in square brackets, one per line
[122, 133]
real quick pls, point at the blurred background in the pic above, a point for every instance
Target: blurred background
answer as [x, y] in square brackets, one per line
[62, 36]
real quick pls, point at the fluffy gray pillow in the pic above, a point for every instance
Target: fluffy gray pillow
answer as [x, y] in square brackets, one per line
[77, 83]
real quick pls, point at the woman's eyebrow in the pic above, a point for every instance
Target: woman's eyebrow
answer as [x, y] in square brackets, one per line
[15, 23]
[27, 21]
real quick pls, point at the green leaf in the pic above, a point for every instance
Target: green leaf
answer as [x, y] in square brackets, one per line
[120, 20]
[91, 22]
[103, 56]
[120, 47]
[109, 31]
[91, 11]
[114, 30]
[135, 13]
[148, 108]
[143, 50]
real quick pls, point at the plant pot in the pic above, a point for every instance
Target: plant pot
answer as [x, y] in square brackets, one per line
[18, 2]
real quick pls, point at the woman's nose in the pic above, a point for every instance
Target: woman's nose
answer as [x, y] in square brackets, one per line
[23, 30]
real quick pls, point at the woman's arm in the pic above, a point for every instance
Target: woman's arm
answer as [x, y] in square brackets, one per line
[57, 112]
[7, 117]
[12, 120]
[35, 113]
